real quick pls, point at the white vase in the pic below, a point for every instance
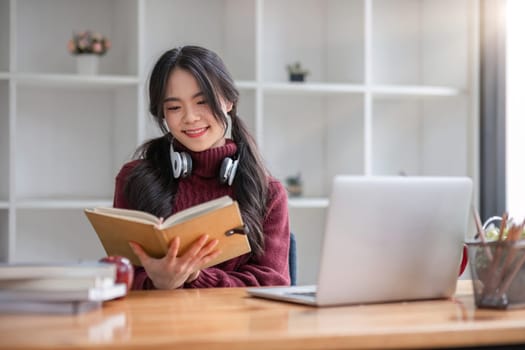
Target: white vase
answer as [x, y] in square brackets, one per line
[87, 64]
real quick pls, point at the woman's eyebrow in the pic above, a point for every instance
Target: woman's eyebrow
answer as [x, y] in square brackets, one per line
[176, 99]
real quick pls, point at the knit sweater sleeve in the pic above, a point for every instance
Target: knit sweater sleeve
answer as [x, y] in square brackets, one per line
[269, 269]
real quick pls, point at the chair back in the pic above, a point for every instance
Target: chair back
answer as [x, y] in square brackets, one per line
[292, 260]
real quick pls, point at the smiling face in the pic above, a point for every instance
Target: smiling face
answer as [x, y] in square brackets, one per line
[188, 115]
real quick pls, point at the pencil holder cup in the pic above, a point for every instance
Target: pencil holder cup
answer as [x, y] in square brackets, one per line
[498, 274]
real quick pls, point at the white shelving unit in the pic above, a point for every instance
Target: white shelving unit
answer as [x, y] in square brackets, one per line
[392, 90]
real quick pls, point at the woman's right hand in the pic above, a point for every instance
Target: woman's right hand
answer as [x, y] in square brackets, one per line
[171, 272]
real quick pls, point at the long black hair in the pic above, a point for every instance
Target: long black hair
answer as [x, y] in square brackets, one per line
[151, 186]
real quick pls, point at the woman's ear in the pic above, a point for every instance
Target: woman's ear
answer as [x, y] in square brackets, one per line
[229, 106]
[166, 125]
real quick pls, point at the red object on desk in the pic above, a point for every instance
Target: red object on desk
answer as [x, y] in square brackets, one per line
[464, 260]
[125, 269]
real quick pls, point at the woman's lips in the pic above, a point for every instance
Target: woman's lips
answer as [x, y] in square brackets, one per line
[193, 133]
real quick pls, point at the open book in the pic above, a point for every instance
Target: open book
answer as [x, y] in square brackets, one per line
[219, 218]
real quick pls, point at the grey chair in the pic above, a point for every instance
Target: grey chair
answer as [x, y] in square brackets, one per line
[292, 260]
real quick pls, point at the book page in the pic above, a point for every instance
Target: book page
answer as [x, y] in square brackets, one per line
[197, 210]
[133, 215]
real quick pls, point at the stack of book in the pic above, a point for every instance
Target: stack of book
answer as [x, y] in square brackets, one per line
[71, 288]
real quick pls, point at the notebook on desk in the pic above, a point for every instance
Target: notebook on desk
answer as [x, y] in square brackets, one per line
[387, 239]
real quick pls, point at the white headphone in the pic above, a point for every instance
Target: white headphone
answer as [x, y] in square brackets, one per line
[182, 166]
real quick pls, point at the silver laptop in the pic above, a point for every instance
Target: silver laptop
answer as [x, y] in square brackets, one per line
[387, 239]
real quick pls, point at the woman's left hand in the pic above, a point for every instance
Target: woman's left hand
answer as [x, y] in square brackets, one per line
[172, 271]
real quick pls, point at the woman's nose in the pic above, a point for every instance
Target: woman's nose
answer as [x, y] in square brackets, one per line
[191, 115]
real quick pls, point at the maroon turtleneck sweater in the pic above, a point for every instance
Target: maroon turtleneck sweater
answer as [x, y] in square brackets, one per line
[271, 268]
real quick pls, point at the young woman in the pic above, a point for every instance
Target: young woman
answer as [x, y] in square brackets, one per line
[193, 100]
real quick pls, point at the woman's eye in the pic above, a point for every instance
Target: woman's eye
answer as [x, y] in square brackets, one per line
[173, 108]
[203, 102]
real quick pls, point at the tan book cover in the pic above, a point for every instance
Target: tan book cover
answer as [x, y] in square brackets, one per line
[219, 218]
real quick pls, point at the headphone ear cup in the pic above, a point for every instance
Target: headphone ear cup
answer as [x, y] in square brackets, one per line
[226, 168]
[187, 164]
[233, 172]
[181, 163]
[176, 163]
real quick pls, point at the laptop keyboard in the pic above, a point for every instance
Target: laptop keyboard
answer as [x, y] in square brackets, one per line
[302, 294]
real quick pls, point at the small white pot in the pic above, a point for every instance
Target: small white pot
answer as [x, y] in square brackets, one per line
[87, 64]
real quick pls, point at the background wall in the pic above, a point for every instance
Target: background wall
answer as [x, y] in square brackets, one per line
[392, 90]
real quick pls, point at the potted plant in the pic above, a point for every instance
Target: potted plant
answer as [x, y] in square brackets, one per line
[88, 46]
[294, 185]
[296, 72]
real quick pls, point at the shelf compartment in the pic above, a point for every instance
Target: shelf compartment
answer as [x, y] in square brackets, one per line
[4, 204]
[308, 202]
[56, 20]
[316, 136]
[416, 42]
[63, 203]
[245, 85]
[80, 145]
[75, 81]
[55, 236]
[420, 137]
[5, 32]
[396, 91]
[325, 36]
[246, 110]
[224, 26]
[315, 88]
[4, 140]
[308, 225]
[4, 234]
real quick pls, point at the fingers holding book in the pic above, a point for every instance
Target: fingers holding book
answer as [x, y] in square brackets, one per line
[176, 268]
[201, 249]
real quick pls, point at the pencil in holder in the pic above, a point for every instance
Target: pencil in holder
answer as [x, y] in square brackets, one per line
[498, 273]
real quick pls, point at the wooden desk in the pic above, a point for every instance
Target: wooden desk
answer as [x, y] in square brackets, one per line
[229, 319]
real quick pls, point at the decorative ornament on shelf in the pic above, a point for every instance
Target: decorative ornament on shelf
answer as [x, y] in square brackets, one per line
[296, 72]
[88, 46]
[294, 185]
